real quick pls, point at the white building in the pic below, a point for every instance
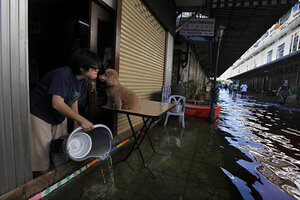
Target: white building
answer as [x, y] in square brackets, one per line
[280, 40]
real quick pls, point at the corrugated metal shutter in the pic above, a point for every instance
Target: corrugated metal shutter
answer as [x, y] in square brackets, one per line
[142, 53]
[14, 96]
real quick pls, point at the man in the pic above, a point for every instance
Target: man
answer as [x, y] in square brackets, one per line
[230, 88]
[243, 88]
[54, 99]
[208, 86]
[235, 88]
[284, 91]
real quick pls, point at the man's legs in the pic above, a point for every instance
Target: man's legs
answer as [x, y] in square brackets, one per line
[60, 130]
[57, 155]
[41, 137]
[284, 99]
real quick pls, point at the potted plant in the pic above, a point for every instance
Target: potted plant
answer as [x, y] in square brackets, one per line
[190, 89]
[200, 94]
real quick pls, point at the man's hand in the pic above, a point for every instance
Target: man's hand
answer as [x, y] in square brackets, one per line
[86, 125]
[76, 124]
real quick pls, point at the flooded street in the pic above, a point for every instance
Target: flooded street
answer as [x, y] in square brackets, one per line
[268, 136]
[252, 152]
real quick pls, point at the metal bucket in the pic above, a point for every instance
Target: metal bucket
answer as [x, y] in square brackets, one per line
[82, 145]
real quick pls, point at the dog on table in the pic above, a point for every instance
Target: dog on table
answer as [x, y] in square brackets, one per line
[118, 96]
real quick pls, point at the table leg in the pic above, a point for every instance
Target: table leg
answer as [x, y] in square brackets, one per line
[151, 144]
[146, 128]
[137, 143]
[150, 141]
[134, 135]
[136, 139]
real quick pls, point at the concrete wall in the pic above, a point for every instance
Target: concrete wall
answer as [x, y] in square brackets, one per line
[193, 71]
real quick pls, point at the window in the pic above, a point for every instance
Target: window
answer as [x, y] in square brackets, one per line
[291, 44]
[295, 43]
[280, 51]
[269, 56]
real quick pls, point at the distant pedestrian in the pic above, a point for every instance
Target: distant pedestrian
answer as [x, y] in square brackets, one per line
[243, 88]
[230, 88]
[235, 88]
[284, 91]
[208, 86]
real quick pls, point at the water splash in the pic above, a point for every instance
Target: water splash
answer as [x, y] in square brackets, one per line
[106, 188]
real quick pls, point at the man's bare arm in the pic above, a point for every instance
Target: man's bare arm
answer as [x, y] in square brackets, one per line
[59, 104]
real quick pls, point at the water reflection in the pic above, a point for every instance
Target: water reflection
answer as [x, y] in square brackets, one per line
[268, 133]
[240, 184]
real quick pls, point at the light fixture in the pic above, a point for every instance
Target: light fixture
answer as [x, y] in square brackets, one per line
[83, 23]
[220, 31]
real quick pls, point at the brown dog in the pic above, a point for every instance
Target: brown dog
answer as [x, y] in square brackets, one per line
[118, 96]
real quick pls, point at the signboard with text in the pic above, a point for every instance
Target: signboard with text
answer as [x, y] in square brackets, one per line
[198, 29]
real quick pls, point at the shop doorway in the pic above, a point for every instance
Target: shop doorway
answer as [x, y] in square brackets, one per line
[102, 41]
[57, 29]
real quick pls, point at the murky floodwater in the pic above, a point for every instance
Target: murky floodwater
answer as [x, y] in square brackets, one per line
[252, 152]
[269, 135]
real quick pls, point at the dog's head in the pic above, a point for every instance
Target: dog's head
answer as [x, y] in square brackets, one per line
[110, 76]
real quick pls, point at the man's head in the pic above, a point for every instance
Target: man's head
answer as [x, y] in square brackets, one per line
[286, 82]
[83, 60]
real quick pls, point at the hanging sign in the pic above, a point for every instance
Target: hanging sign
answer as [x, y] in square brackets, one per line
[198, 29]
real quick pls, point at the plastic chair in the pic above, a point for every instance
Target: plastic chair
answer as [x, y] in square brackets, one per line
[178, 110]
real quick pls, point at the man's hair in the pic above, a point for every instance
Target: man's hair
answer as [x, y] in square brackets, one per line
[84, 58]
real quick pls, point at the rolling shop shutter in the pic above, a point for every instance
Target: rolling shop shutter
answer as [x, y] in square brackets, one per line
[142, 54]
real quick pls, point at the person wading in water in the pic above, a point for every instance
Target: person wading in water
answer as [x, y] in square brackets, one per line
[284, 91]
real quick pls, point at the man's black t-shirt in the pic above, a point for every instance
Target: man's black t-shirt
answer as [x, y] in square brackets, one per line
[61, 82]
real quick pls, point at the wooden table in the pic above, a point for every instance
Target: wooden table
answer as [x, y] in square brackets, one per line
[147, 110]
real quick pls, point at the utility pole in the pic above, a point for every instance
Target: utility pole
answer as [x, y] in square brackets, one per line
[211, 117]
